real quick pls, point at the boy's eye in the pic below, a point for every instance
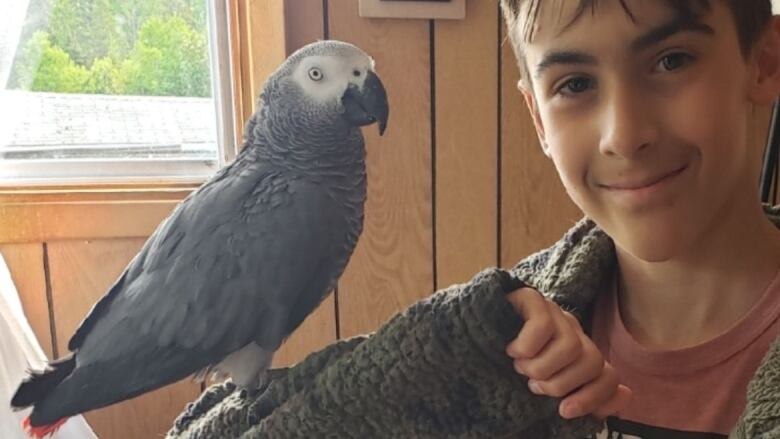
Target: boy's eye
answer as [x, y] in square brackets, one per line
[673, 61]
[575, 85]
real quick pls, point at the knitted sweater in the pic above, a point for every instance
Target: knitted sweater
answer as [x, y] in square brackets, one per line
[439, 370]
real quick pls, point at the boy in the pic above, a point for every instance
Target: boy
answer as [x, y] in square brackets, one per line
[642, 106]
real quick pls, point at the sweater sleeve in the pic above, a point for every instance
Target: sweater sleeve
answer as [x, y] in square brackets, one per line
[761, 418]
[437, 370]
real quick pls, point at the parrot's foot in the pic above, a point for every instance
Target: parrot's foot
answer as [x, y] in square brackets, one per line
[247, 393]
[210, 398]
[259, 409]
[264, 381]
[265, 403]
[270, 376]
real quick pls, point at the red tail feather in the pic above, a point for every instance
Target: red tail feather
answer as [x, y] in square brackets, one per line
[42, 431]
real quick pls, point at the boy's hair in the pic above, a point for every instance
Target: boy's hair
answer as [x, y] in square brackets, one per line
[750, 16]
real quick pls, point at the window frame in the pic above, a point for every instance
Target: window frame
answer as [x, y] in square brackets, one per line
[26, 174]
[258, 37]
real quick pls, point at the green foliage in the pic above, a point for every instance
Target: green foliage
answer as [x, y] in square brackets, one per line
[146, 47]
[169, 58]
[130, 16]
[55, 70]
[104, 78]
[83, 28]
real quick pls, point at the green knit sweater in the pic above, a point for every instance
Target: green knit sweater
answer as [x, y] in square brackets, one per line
[438, 370]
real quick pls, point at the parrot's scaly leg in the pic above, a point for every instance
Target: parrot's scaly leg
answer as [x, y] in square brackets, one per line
[263, 380]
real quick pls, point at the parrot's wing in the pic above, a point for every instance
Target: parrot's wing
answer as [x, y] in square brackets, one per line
[161, 245]
[225, 269]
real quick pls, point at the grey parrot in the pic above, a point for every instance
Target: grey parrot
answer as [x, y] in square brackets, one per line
[241, 262]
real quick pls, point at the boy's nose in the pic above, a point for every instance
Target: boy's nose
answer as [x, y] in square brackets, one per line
[627, 124]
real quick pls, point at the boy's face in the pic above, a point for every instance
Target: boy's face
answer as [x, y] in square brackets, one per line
[645, 120]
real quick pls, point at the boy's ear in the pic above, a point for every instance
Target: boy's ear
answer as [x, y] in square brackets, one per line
[765, 84]
[530, 101]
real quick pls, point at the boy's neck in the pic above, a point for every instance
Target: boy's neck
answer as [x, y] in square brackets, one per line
[693, 298]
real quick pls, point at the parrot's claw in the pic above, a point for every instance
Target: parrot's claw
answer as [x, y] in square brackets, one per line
[265, 404]
[259, 409]
[263, 383]
[210, 398]
[272, 375]
[247, 393]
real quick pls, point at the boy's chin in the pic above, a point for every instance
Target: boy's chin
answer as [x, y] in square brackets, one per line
[651, 240]
[652, 247]
[652, 252]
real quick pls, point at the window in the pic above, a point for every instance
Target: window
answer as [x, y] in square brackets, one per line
[111, 91]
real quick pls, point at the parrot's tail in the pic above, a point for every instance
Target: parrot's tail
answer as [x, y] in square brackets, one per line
[34, 390]
[42, 431]
[36, 386]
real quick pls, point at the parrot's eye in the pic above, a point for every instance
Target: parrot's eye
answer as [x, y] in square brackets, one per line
[356, 73]
[315, 74]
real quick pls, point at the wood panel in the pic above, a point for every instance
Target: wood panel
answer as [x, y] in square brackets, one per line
[535, 209]
[81, 271]
[393, 263]
[466, 144]
[32, 222]
[239, 70]
[36, 215]
[304, 23]
[265, 44]
[449, 9]
[25, 262]
[244, 63]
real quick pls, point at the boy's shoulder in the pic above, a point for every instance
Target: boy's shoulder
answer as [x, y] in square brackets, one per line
[573, 270]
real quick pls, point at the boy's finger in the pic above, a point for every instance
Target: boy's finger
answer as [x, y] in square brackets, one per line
[538, 327]
[564, 348]
[591, 396]
[587, 368]
[619, 400]
[527, 301]
[573, 320]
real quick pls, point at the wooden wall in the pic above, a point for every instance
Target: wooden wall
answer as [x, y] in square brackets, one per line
[457, 184]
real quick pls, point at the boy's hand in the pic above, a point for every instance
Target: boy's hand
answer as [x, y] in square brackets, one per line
[560, 360]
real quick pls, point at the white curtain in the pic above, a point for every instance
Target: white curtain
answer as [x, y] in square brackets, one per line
[11, 22]
[19, 351]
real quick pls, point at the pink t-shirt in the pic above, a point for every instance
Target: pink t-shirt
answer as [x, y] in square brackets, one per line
[697, 392]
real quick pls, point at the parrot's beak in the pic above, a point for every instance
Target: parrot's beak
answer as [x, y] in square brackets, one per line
[366, 106]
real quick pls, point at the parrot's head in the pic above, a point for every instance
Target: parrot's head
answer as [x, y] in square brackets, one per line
[333, 80]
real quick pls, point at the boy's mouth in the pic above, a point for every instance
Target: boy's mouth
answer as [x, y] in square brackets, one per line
[644, 182]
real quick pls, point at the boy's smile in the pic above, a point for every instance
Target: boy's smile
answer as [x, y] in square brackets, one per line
[644, 113]
[636, 192]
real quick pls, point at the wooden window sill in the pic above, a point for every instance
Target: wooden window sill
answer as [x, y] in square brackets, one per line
[86, 212]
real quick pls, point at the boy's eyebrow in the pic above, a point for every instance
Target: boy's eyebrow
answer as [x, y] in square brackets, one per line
[653, 36]
[563, 57]
[666, 30]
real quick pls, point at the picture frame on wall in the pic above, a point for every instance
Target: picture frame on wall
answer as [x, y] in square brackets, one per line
[414, 9]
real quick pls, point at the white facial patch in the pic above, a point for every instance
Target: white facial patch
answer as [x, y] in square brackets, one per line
[325, 78]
